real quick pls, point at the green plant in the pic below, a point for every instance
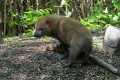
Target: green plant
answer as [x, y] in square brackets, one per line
[116, 4]
[100, 16]
[27, 19]
[31, 16]
[28, 33]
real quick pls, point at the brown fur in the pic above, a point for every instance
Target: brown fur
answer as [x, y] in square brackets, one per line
[69, 32]
[74, 36]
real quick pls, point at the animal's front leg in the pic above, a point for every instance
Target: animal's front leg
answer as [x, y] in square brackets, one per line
[63, 49]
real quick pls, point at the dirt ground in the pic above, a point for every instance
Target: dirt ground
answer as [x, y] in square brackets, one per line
[34, 59]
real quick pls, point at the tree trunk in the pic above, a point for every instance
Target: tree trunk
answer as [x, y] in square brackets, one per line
[5, 16]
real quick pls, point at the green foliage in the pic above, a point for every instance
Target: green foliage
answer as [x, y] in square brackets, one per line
[100, 16]
[28, 33]
[28, 19]
[116, 4]
[91, 26]
[31, 16]
[14, 21]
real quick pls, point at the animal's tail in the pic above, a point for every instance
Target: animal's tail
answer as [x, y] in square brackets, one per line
[104, 64]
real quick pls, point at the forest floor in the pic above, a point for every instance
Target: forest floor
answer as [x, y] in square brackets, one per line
[23, 58]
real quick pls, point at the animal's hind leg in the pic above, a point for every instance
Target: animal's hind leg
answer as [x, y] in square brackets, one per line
[73, 54]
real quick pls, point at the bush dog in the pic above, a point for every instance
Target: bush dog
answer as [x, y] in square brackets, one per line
[74, 35]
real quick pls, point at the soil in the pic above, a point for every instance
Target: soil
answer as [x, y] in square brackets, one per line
[23, 58]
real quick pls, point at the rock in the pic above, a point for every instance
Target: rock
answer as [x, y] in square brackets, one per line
[111, 41]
